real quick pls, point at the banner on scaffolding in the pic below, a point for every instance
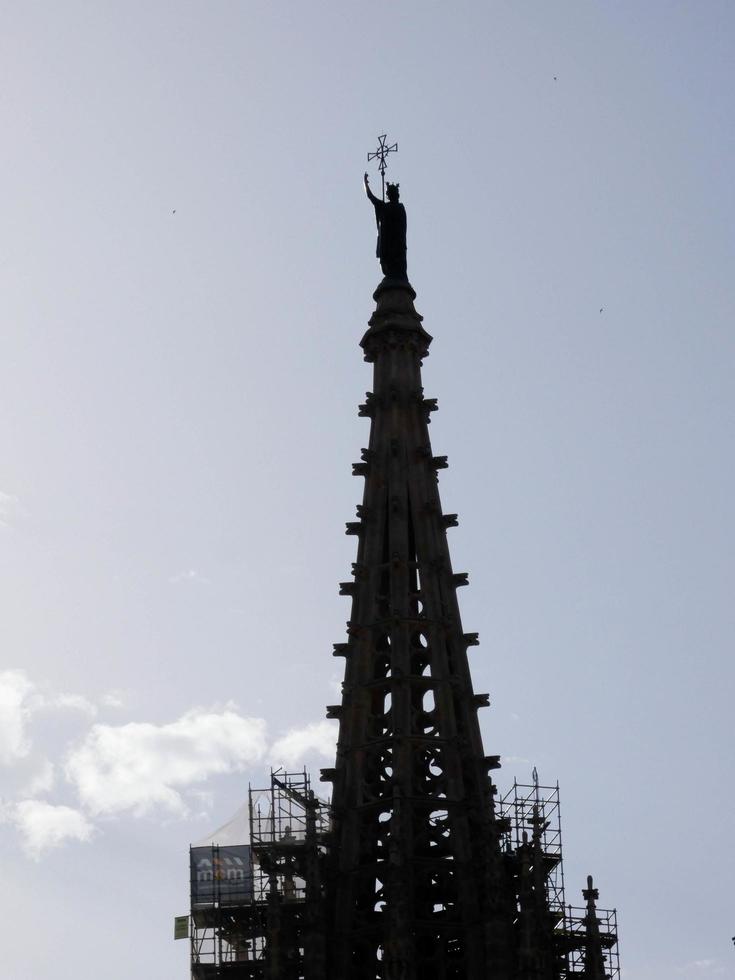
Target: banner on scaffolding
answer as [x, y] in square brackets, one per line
[221, 875]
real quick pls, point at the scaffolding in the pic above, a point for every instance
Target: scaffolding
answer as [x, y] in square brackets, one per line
[576, 927]
[222, 910]
[531, 815]
[255, 908]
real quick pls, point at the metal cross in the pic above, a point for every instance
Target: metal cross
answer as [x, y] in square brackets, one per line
[380, 154]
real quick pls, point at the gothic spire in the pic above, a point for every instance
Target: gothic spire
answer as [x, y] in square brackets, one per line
[419, 887]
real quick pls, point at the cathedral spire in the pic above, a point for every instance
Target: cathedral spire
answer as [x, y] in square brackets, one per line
[418, 876]
[415, 870]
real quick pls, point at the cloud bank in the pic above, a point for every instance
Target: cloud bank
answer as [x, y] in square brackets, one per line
[134, 769]
[142, 766]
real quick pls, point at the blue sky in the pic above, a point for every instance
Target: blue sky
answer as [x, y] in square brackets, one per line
[187, 262]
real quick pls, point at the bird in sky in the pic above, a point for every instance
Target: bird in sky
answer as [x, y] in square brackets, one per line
[601, 309]
[554, 77]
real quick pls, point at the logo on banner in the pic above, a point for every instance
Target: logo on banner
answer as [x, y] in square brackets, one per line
[222, 875]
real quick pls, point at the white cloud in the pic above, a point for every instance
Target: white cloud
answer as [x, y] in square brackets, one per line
[15, 691]
[63, 701]
[319, 737]
[140, 766]
[43, 826]
[20, 699]
[113, 699]
[132, 769]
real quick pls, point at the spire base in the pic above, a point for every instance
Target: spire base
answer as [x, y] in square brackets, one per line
[395, 321]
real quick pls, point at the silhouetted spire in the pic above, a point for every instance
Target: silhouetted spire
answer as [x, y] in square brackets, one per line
[594, 960]
[418, 872]
[419, 883]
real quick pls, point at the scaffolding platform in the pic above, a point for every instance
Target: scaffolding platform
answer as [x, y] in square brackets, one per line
[250, 899]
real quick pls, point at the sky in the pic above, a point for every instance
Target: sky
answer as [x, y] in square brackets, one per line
[187, 263]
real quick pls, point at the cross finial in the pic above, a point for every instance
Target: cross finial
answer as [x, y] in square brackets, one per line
[380, 154]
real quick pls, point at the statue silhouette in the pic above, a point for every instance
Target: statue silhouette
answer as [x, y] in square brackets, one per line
[390, 217]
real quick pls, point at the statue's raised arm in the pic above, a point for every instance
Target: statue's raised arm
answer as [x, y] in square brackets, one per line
[390, 217]
[373, 198]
